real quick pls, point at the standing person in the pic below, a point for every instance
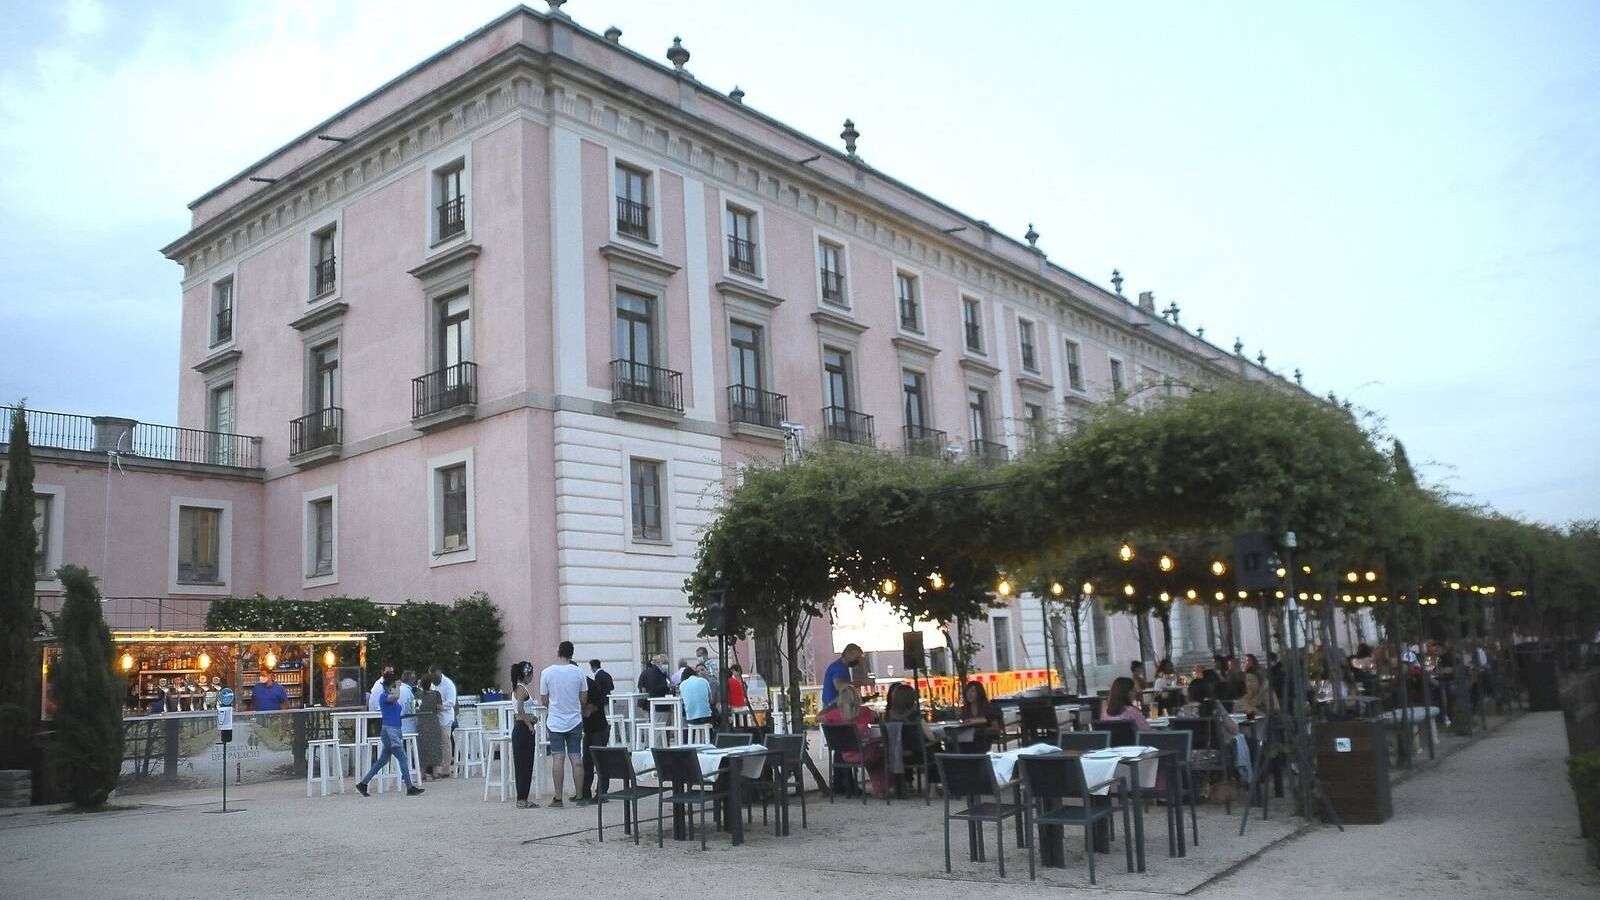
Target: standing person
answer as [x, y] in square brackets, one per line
[408, 702]
[653, 681]
[447, 710]
[596, 729]
[563, 691]
[430, 741]
[522, 731]
[695, 690]
[269, 695]
[376, 694]
[703, 658]
[394, 745]
[838, 672]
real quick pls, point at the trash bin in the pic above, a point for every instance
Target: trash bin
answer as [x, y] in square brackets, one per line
[1353, 769]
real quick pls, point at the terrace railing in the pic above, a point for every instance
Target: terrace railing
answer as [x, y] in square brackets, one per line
[97, 434]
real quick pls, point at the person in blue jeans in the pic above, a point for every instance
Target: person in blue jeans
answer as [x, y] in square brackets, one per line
[394, 746]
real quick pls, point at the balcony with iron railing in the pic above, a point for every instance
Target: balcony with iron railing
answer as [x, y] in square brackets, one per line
[843, 424]
[988, 453]
[324, 277]
[452, 217]
[223, 327]
[133, 439]
[633, 219]
[316, 436]
[833, 286]
[974, 335]
[651, 391]
[753, 406]
[929, 443]
[741, 255]
[444, 396]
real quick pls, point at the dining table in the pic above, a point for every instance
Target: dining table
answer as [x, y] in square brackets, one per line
[735, 765]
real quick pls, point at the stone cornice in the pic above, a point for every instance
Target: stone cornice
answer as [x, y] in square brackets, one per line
[749, 292]
[218, 361]
[444, 262]
[617, 253]
[1034, 382]
[979, 366]
[828, 319]
[919, 347]
[317, 315]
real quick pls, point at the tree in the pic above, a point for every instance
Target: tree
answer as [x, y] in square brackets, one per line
[416, 635]
[19, 621]
[88, 695]
[482, 636]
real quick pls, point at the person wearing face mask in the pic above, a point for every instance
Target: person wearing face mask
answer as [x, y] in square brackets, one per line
[653, 681]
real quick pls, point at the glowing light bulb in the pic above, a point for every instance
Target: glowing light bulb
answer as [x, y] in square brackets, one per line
[1190, 593]
[205, 661]
[888, 587]
[272, 660]
[1004, 587]
[1125, 553]
[1088, 587]
[328, 658]
[1371, 575]
[1127, 590]
[1057, 588]
[1165, 563]
[936, 580]
[1217, 568]
[127, 661]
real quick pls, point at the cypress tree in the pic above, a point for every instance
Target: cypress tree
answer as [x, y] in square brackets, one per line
[19, 547]
[88, 695]
[1404, 475]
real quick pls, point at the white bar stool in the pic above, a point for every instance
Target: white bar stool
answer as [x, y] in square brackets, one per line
[666, 722]
[391, 772]
[699, 734]
[469, 754]
[320, 755]
[497, 771]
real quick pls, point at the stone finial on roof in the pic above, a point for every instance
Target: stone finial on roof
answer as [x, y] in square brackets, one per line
[1200, 332]
[1261, 359]
[1116, 280]
[1238, 347]
[1172, 311]
[1032, 237]
[736, 95]
[614, 34]
[676, 55]
[849, 134]
[555, 6]
[1297, 377]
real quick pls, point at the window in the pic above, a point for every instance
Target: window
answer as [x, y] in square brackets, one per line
[836, 378]
[744, 362]
[978, 414]
[450, 211]
[41, 527]
[635, 329]
[1002, 643]
[741, 240]
[644, 479]
[199, 545]
[1101, 634]
[222, 312]
[452, 508]
[220, 420]
[454, 330]
[324, 392]
[655, 638]
[633, 209]
[1074, 366]
[1030, 357]
[1116, 376]
[830, 262]
[1033, 419]
[914, 386]
[320, 556]
[972, 323]
[905, 292]
[324, 265]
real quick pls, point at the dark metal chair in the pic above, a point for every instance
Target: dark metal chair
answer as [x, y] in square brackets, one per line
[1180, 743]
[1039, 723]
[1123, 733]
[725, 739]
[1083, 740]
[683, 784]
[1049, 784]
[615, 764]
[971, 776]
[913, 749]
[1209, 753]
[793, 748]
[842, 739]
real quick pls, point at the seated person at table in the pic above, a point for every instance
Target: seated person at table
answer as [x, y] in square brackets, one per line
[905, 705]
[736, 695]
[1136, 672]
[695, 691]
[847, 708]
[1257, 697]
[977, 711]
[1120, 705]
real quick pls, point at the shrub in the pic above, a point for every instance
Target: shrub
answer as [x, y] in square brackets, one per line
[1583, 770]
[414, 636]
[88, 695]
[482, 636]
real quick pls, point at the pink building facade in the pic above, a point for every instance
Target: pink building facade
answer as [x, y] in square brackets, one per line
[510, 323]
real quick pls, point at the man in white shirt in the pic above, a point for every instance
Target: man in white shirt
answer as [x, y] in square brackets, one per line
[563, 689]
[447, 696]
[375, 696]
[408, 702]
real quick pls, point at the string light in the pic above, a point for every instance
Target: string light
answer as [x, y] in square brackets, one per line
[1057, 588]
[1127, 590]
[889, 587]
[1125, 553]
[205, 661]
[1166, 597]
[1165, 563]
[1004, 587]
[936, 580]
[1351, 577]
[1371, 575]
[328, 658]
[127, 661]
[272, 660]
[1217, 567]
[1190, 594]
[1088, 587]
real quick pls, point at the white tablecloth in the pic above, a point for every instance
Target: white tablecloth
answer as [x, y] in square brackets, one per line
[711, 759]
[1101, 765]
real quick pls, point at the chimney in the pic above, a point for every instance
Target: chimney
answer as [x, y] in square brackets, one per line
[1147, 301]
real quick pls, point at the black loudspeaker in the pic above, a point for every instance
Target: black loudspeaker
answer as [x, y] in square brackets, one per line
[1255, 561]
[911, 650]
[718, 618]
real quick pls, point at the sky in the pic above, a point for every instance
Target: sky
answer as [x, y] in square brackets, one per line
[1400, 200]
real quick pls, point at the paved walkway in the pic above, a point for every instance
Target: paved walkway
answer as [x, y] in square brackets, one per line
[1495, 820]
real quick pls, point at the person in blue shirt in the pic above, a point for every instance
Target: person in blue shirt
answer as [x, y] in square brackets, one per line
[269, 695]
[394, 746]
[838, 673]
[696, 693]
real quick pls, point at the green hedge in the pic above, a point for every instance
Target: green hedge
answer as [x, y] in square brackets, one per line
[1584, 771]
[464, 638]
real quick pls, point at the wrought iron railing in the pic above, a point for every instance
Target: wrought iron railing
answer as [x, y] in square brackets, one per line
[67, 431]
[754, 406]
[224, 326]
[833, 286]
[910, 314]
[926, 442]
[987, 452]
[1030, 359]
[443, 389]
[325, 274]
[974, 336]
[323, 428]
[741, 255]
[633, 382]
[452, 217]
[841, 423]
[633, 218]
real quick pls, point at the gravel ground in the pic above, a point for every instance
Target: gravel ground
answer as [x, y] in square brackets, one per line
[1456, 833]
